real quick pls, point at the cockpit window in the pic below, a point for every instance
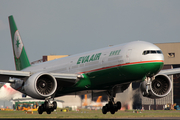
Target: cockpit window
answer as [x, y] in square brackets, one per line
[152, 52]
[158, 51]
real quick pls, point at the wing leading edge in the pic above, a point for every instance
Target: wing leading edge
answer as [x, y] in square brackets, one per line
[5, 76]
[170, 71]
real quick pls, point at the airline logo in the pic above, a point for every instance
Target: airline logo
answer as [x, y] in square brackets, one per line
[18, 45]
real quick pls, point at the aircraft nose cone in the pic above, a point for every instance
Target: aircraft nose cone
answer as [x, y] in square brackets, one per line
[156, 66]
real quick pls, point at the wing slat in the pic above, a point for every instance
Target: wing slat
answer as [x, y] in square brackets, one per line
[170, 71]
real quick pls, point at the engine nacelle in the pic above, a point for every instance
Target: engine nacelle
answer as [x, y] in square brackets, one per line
[40, 85]
[157, 88]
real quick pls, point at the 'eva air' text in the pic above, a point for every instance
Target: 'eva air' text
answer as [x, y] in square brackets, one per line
[89, 58]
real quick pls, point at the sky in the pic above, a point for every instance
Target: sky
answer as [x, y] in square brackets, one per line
[66, 27]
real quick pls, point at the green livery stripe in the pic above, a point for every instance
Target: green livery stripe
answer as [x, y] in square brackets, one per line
[123, 74]
[106, 78]
[13, 27]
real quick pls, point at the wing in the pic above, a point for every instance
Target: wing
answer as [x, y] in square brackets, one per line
[5, 75]
[20, 99]
[67, 79]
[64, 78]
[170, 71]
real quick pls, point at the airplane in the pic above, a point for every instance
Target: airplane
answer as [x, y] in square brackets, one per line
[110, 69]
[96, 104]
[85, 103]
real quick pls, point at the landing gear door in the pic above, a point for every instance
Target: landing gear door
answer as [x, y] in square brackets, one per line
[128, 54]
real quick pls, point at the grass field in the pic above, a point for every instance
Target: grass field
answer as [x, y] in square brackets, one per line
[92, 114]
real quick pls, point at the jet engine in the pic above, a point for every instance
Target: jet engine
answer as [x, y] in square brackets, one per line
[156, 88]
[40, 85]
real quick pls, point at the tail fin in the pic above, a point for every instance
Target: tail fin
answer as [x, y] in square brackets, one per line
[20, 56]
[99, 99]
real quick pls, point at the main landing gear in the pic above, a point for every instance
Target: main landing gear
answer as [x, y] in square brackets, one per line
[47, 106]
[111, 106]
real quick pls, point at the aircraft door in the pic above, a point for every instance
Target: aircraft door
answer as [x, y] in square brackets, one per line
[128, 54]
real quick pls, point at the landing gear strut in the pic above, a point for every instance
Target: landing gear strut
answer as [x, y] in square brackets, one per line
[111, 107]
[47, 106]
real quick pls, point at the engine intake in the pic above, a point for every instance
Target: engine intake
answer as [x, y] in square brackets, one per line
[157, 88]
[40, 85]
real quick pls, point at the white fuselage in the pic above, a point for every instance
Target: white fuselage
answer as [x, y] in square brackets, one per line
[105, 57]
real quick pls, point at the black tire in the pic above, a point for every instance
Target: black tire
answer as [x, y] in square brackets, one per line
[48, 111]
[110, 105]
[104, 110]
[54, 105]
[40, 110]
[116, 109]
[46, 105]
[107, 107]
[112, 111]
[118, 105]
[52, 110]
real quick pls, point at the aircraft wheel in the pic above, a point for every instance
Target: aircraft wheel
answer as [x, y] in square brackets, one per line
[118, 105]
[54, 105]
[52, 110]
[48, 111]
[46, 105]
[112, 111]
[40, 110]
[116, 109]
[145, 94]
[110, 105]
[107, 107]
[104, 110]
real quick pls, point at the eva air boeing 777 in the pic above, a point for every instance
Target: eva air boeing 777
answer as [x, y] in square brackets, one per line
[109, 69]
